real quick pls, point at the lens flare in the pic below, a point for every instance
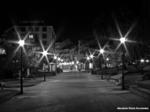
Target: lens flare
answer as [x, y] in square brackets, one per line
[20, 42]
[44, 52]
[123, 38]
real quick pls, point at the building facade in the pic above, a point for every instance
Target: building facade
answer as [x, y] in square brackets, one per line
[37, 31]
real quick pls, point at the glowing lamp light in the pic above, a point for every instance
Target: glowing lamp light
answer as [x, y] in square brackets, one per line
[21, 43]
[64, 63]
[55, 57]
[147, 61]
[31, 36]
[133, 63]
[91, 56]
[59, 59]
[101, 51]
[44, 53]
[142, 60]
[88, 58]
[2, 51]
[107, 59]
[122, 40]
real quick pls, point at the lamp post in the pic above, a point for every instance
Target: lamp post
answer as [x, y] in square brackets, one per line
[122, 41]
[101, 52]
[55, 60]
[88, 58]
[45, 54]
[55, 57]
[21, 44]
[91, 65]
[91, 56]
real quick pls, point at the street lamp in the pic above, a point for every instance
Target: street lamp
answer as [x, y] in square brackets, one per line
[55, 60]
[147, 61]
[21, 44]
[91, 64]
[87, 62]
[101, 51]
[107, 59]
[45, 53]
[142, 60]
[59, 59]
[122, 41]
[91, 56]
[107, 62]
[88, 58]
[55, 57]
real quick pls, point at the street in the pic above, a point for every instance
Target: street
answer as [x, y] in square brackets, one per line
[74, 92]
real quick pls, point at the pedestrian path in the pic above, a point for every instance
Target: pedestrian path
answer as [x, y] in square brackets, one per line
[12, 87]
[73, 92]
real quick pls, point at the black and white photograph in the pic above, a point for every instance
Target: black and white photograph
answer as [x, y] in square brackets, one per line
[73, 56]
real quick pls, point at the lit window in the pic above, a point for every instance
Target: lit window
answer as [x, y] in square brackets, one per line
[31, 36]
[2, 51]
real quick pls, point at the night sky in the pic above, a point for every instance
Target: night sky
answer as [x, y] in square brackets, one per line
[79, 20]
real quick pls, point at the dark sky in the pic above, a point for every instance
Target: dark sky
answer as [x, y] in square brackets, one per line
[77, 20]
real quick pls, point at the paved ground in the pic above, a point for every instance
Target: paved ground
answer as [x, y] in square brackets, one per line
[7, 94]
[74, 92]
[12, 87]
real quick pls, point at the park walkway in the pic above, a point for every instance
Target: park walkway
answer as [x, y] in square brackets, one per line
[75, 92]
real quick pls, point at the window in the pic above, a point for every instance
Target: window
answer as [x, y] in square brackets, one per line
[23, 34]
[22, 29]
[37, 28]
[31, 36]
[44, 28]
[44, 35]
[36, 37]
[44, 42]
[30, 28]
